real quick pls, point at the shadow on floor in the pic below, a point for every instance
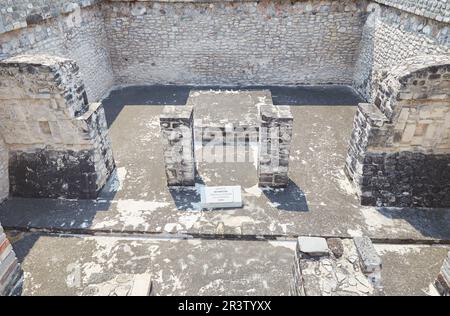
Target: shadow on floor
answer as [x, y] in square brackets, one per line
[178, 95]
[291, 198]
[52, 215]
[431, 223]
[185, 198]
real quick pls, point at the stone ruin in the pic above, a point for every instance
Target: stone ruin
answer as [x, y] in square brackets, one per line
[10, 271]
[271, 130]
[382, 48]
[58, 59]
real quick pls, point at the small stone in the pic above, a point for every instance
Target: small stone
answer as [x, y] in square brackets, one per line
[313, 246]
[336, 247]
[369, 259]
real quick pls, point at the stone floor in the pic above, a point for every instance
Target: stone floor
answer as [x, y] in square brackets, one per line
[66, 265]
[71, 264]
[319, 201]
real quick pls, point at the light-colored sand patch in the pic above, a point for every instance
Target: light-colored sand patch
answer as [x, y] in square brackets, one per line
[132, 213]
[344, 184]
[399, 249]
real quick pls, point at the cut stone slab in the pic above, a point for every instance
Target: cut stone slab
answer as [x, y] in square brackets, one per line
[369, 259]
[221, 197]
[313, 246]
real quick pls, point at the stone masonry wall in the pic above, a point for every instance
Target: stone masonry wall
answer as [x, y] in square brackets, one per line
[58, 143]
[241, 42]
[62, 29]
[391, 36]
[399, 152]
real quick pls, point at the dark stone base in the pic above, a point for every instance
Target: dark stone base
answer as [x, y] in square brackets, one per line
[406, 179]
[53, 174]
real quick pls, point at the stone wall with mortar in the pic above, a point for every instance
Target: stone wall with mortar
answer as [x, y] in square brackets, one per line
[393, 33]
[234, 42]
[58, 143]
[68, 29]
[400, 148]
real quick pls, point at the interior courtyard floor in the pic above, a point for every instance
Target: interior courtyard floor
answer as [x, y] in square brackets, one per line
[137, 208]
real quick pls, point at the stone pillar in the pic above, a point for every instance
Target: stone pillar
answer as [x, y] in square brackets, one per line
[177, 131]
[442, 282]
[10, 271]
[275, 136]
[58, 143]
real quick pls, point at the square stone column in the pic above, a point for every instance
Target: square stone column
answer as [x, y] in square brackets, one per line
[275, 136]
[177, 134]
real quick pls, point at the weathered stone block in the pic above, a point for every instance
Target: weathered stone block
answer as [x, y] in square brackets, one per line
[369, 259]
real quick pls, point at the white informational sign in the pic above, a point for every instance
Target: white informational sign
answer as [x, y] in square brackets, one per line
[221, 197]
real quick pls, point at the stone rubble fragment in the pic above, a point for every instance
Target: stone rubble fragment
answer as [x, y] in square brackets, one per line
[317, 271]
